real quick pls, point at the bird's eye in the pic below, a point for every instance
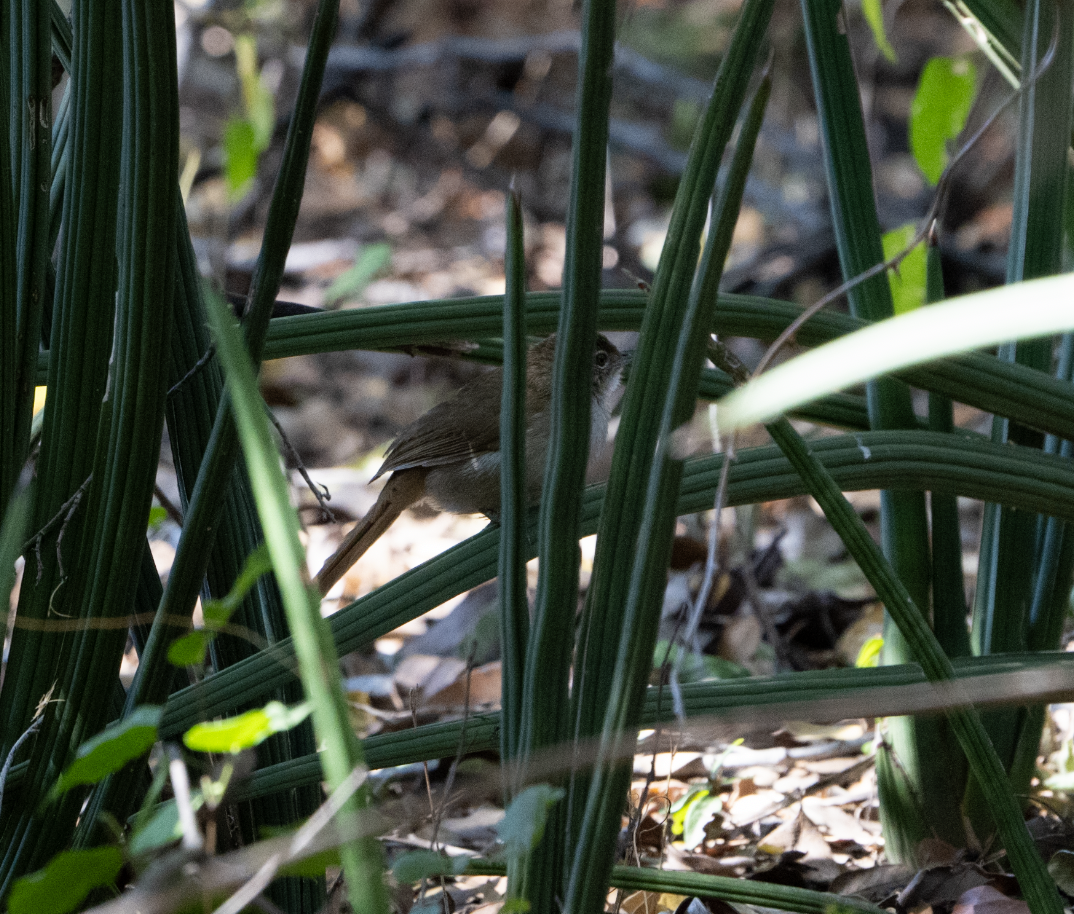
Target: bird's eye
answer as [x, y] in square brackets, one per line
[601, 359]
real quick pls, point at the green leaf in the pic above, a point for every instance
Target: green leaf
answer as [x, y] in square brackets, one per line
[111, 749]
[694, 667]
[63, 884]
[233, 734]
[1025, 310]
[939, 111]
[874, 15]
[413, 866]
[162, 828]
[312, 867]
[681, 805]
[697, 815]
[189, 650]
[157, 516]
[258, 102]
[869, 655]
[908, 279]
[371, 259]
[240, 155]
[257, 563]
[524, 821]
[262, 117]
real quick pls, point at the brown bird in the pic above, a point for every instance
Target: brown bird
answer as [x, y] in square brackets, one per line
[451, 455]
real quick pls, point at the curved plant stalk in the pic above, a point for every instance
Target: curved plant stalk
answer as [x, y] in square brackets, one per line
[919, 338]
[966, 466]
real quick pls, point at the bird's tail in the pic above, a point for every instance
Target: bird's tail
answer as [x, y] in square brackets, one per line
[403, 488]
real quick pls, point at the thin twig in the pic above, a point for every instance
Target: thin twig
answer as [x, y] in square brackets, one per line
[320, 492]
[169, 506]
[724, 359]
[61, 517]
[35, 724]
[198, 366]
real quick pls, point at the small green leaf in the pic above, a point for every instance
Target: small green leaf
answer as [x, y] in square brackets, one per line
[695, 667]
[681, 805]
[874, 15]
[908, 281]
[312, 867]
[240, 155]
[62, 885]
[257, 563]
[157, 516]
[247, 730]
[413, 866]
[524, 821]
[162, 828]
[869, 655]
[111, 749]
[216, 613]
[939, 111]
[262, 116]
[258, 103]
[698, 816]
[371, 259]
[189, 650]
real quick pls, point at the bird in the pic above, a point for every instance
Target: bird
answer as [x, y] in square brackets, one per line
[450, 456]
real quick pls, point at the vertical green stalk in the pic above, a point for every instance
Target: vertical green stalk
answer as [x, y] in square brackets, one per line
[545, 696]
[1022, 555]
[948, 586]
[9, 341]
[622, 610]
[916, 807]
[545, 702]
[132, 418]
[27, 94]
[81, 343]
[208, 495]
[207, 451]
[514, 607]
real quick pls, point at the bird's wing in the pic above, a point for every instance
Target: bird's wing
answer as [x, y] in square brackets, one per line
[448, 433]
